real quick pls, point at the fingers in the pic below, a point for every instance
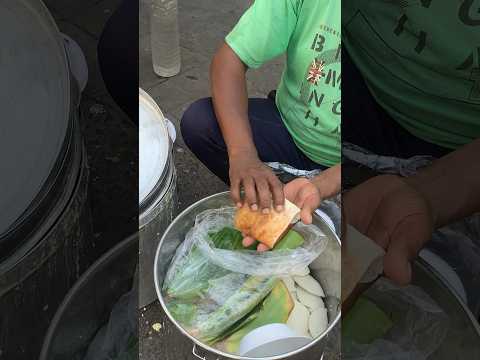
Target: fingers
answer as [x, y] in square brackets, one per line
[250, 193]
[396, 265]
[235, 191]
[248, 241]
[306, 201]
[306, 215]
[405, 244]
[277, 192]
[260, 186]
[264, 196]
[262, 247]
[379, 230]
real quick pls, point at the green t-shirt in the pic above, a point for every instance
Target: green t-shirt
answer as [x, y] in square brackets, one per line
[420, 60]
[309, 96]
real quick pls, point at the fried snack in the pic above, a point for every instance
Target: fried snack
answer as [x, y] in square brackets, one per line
[267, 228]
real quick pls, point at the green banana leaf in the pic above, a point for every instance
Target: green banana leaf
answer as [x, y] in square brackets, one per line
[194, 272]
[245, 299]
[275, 309]
[365, 322]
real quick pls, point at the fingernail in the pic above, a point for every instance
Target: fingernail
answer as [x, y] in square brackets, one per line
[239, 205]
[254, 207]
[279, 208]
[265, 211]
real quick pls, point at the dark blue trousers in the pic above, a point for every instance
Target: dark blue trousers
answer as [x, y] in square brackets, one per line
[201, 133]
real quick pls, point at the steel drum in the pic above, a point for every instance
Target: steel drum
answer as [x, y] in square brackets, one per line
[174, 236]
[46, 237]
[157, 188]
[89, 302]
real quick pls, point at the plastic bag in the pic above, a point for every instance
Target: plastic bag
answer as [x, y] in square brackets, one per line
[118, 339]
[217, 287]
[419, 325]
[281, 263]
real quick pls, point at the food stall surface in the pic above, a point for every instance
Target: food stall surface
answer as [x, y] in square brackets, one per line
[203, 25]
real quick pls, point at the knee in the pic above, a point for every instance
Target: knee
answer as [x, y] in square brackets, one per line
[197, 122]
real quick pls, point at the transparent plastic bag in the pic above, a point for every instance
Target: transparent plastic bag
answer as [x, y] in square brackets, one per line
[118, 339]
[217, 287]
[419, 325]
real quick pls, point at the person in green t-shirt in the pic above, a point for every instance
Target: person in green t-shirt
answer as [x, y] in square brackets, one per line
[299, 125]
[412, 76]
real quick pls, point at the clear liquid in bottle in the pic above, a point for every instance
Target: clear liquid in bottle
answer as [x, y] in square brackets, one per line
[165, 39]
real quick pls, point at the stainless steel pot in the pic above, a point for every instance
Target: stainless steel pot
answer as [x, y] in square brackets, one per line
[157, 189]
[174, 236]
[45, 221]
[463, 337]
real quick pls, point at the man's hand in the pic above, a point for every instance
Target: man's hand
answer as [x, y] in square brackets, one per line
[307, 194]
[260, 184]
[303, 193]
[394, 214]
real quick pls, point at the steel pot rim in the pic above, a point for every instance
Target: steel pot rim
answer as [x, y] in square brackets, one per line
[450, 290]
[207, 347]
[159, 188]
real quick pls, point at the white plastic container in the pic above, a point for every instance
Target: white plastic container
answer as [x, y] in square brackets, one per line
[271, 340]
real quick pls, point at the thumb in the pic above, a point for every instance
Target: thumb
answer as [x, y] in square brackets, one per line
[405, 244]
[397, 267]
[306, 214]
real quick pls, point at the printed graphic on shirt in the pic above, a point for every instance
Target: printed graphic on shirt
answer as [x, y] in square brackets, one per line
[322, 76]
[414, 38]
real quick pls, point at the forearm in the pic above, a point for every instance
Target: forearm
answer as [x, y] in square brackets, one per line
[329, 181]
[451, 184]
[230, 100]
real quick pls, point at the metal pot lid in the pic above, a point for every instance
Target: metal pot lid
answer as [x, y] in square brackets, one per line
[35, 103]
[154, 146]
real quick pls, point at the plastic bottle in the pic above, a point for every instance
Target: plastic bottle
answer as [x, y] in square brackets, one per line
[165, 39]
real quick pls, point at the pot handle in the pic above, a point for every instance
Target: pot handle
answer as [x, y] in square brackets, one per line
[171, 130]
[194, 352]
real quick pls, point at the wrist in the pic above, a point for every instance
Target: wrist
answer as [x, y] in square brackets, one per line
[242, 151]
[425, 190]
[329, 182]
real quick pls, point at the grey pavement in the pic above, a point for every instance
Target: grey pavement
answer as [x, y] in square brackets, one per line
[203, 25]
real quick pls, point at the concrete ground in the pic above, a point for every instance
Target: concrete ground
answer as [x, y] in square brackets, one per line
[203, 25]
[111, 139]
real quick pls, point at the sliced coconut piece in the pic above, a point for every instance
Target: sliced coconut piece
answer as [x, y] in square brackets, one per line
[301, 272]
[298, 319]
[309, 284]
[318, 322]
[330, 258]
[330, 281]
[332, 304]
[311, 301]
[362, 256]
